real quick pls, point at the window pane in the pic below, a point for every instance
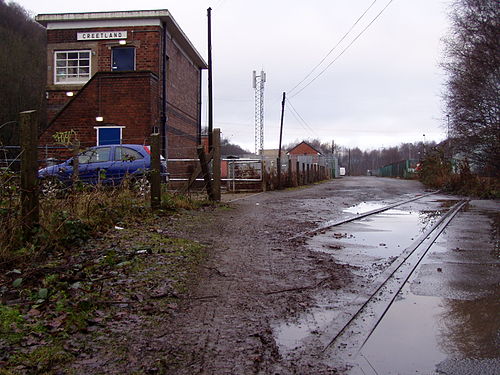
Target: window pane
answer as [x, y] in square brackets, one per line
[98, 155]
[126, 154]
[101, 155]
[85, 157]
[77, 63]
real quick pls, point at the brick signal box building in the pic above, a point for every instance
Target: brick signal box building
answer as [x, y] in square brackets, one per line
[116, 77]
[304, 149]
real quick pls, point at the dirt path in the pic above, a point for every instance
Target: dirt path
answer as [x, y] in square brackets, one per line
[254, 276]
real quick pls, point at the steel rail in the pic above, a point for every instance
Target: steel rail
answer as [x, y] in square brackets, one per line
[359, 216]
[430, 237]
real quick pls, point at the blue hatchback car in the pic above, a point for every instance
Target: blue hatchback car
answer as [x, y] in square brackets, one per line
[105, 164]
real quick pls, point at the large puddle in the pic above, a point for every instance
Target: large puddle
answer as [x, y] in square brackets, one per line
[419, 335]
[445, 320]
[371, 243]
[374, 238]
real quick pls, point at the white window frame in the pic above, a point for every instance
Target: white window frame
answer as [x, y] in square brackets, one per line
[108, 127]
[80, 78]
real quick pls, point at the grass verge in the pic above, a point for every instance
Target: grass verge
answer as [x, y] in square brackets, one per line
[97, 254]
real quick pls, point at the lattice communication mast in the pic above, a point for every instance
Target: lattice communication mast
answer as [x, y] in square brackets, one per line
[258, 85]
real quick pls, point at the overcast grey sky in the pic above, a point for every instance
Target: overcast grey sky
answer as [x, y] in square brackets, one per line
[385, 88]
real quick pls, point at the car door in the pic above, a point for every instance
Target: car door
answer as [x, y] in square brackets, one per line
[94, 164]
[127, 161]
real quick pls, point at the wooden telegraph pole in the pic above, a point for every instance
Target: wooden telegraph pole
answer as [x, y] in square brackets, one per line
[210, 88]
[281, 137]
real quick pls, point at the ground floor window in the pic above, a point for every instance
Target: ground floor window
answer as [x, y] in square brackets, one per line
[109, 135]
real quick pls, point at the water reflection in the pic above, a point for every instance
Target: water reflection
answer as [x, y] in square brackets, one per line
[420, 332]
[378, 237]
[471, 328]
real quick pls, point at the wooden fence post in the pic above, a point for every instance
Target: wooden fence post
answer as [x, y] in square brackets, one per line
[289, 179]
[205, 171]
[155, 179]
[264, 175]
[297, 171]
[216, 170]
[30, 208]
[75, 149]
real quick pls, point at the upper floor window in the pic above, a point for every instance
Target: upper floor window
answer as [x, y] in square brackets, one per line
[123, 59]
[72, 66]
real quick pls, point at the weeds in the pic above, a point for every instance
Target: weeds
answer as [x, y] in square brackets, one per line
[436, 172]
[11, 324]
[66, 282]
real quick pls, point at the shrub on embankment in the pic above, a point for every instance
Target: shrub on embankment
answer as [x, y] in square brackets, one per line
[437, 172]
[69, 218]
[100, 265]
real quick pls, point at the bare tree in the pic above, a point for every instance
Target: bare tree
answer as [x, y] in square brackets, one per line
[472, 62]
[22, 67]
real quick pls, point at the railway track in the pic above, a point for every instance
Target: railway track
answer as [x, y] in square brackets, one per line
[345, 337]
[331, 224]
[369, 308]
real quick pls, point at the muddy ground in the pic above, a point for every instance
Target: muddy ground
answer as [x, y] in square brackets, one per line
[253, 279]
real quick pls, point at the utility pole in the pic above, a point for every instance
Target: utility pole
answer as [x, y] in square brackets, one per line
[210, 89]
[281, 137]
[258, 85]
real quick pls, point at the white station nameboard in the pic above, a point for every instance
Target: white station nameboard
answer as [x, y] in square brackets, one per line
[101, 35]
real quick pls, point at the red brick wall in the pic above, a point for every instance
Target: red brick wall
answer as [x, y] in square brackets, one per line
[182, 106]
[121, 98]
[146, 40]
[134, 101]
[303, 149]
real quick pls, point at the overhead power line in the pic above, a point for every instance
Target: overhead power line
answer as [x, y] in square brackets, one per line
[344, 50]
[300, 119]
[334, 47]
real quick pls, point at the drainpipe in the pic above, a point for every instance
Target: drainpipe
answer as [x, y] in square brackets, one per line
[163, 120]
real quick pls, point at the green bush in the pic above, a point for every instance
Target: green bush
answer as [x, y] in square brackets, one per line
[436, 172]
